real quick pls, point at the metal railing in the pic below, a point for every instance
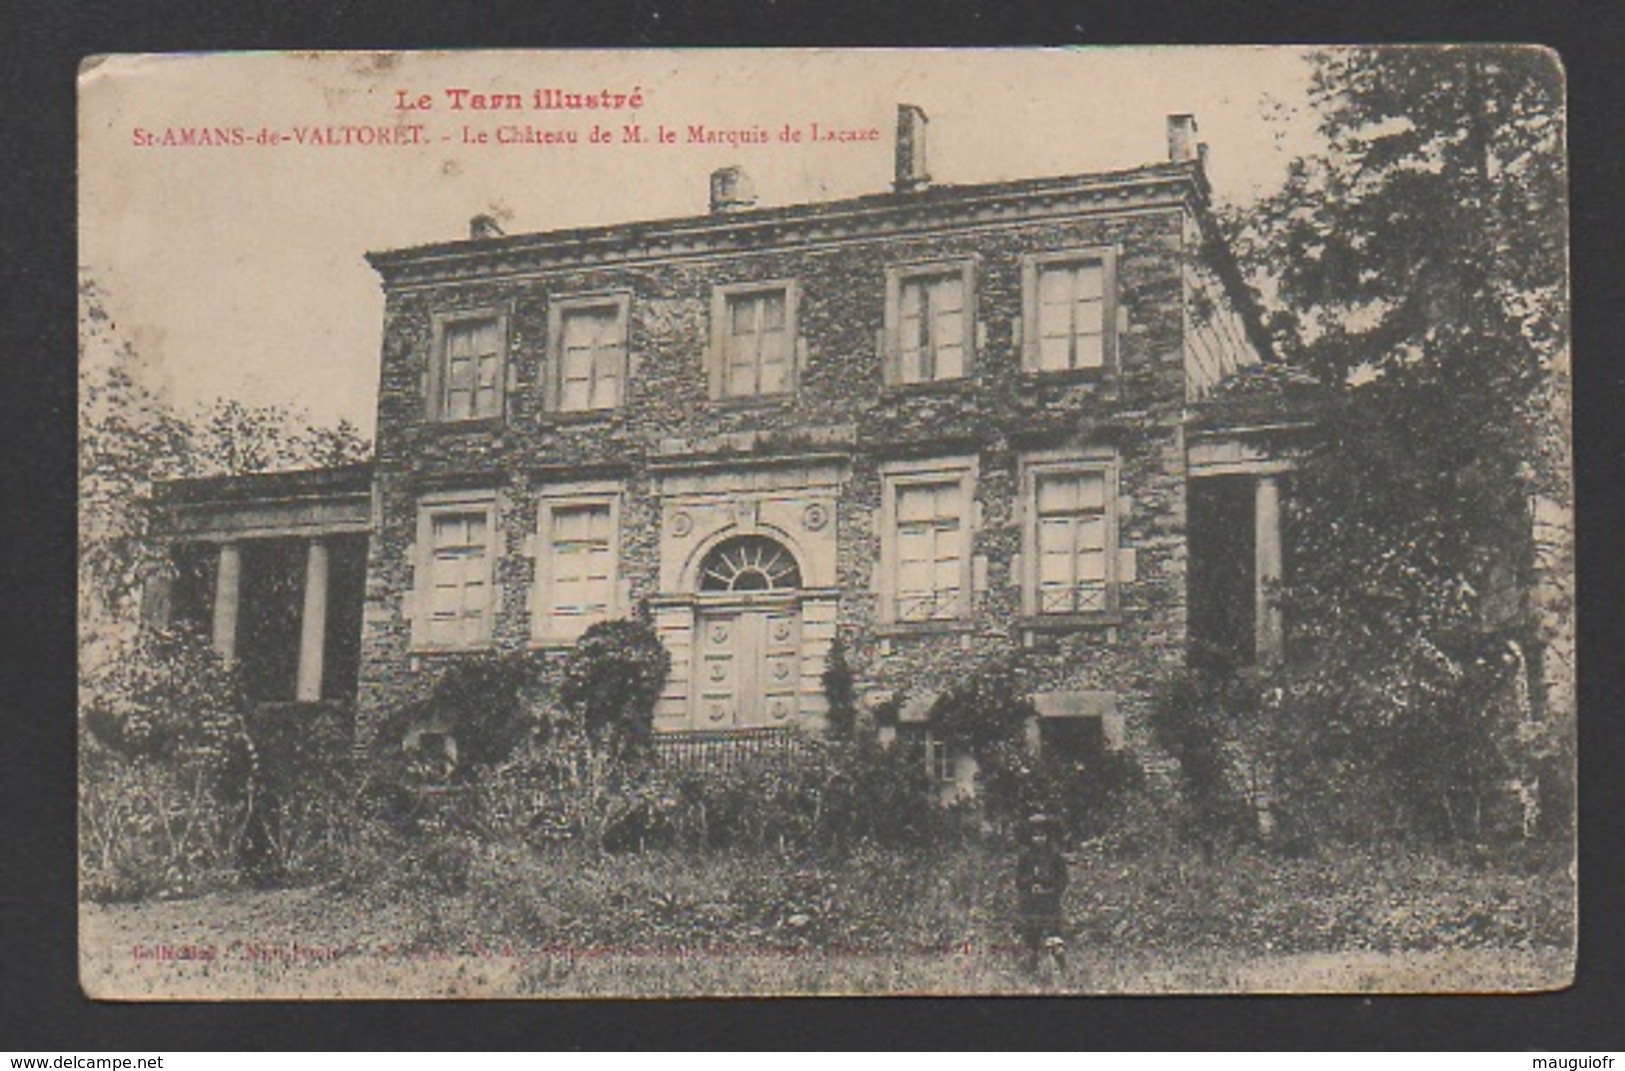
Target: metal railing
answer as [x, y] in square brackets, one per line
[1081, 598]
[942, 605]
[725, 748]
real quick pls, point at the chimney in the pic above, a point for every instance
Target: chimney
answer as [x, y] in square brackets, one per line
[1182, 139]
[731, 189]
[911, 168]
[484, 226]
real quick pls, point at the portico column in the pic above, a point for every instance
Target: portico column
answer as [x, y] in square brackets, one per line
[1268, 629]
[227, 591]
[313, 623]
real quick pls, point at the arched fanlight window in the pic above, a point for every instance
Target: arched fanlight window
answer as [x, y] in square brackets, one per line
[749, 563]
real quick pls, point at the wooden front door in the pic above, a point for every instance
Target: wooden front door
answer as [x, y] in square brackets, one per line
[749, 667]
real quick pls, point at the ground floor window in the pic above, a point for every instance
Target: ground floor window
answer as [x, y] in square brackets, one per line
[926, 539]
[577, 552]
[1071, 568]
[454, 590]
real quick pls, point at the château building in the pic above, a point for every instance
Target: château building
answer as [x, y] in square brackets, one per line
[939, 423]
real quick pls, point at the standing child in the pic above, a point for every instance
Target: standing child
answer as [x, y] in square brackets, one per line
[1040, 881]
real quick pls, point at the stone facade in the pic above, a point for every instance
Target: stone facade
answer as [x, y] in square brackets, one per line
[939, 425]
[646, 479]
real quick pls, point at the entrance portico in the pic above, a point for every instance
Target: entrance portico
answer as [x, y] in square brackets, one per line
[255, 562]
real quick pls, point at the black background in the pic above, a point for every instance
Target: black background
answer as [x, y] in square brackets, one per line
[41, 1007]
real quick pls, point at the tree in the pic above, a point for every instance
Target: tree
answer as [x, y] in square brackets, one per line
[1418, 264]
[985, 714]
[171, 699]
[127, 439]
[229, 437]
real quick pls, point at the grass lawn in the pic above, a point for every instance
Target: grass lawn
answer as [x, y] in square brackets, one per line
[515, 923]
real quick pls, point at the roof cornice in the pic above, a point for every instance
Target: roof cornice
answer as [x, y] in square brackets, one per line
[758, 230]
[288, 485]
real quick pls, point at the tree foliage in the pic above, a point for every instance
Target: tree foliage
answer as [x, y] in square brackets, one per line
[127, 439]
[163, 716]
[840, 692]
[487, 703]
[1419, 267]
[170, 698]
[1202, 718]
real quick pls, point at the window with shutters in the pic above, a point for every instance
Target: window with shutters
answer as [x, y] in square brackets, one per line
[1070, 311]
[468, 373]
[753, 352]
[930, 322]
[926, 546]
[577, 574]
[588, 348]
[454, 591]
[1070, 541]
[931, 751]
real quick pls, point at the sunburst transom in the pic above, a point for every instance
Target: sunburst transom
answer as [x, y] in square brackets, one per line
[750, 564]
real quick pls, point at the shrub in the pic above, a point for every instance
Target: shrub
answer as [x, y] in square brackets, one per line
[150, 828]
[881, 795]
[1089, 797]
[529, 762]
[1197, 717]
[1360, 762]
[165, 763]
[301, 814]
[168, 698]
[568, 791]
[833, 795]
[840, 693]
[612, 680]
[985, 715]
[485, 703]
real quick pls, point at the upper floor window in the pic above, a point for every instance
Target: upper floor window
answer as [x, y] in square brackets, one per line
[930, 322]
[1070, 537]
[453, 573]
[753, 340]
[1070, 311]
[926, 541]
[467, 372]
[588, 342]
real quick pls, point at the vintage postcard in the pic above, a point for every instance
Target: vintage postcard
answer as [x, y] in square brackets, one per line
[679, 523]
